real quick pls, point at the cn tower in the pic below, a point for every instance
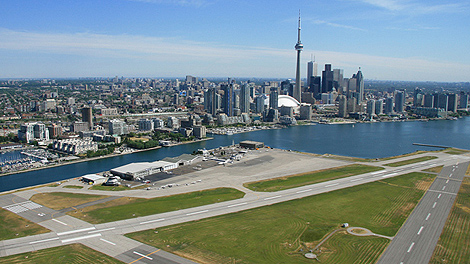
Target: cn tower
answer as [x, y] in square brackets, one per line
[298, 48]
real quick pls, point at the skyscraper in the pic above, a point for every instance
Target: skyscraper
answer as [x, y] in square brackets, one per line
[245, 98]
[360, 85]
[273, 98]
[327, 79]
[400, 102]
[298, 48]
[87, 116]
[228, 99]
[312, 68]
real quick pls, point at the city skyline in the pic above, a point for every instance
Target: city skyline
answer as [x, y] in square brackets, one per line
[388, 39]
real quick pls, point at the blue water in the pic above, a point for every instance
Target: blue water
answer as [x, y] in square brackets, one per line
[369, 140]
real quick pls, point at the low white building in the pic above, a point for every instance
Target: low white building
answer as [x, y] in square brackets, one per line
[75, 146]
[142, 169]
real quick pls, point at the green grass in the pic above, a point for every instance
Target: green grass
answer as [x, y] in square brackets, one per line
[125, 208]
[109, 188]
[454, 243]
[410, 161]
[454, 151]
[14, 226]
[276, 233]
[298, 180]
[61, 200]
[73, 187]
[435, 169]
[73, 254]
[352, 249]
[404, 155]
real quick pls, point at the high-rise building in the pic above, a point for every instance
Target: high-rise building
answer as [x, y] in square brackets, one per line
[33, 131]
[453, 102]
[298, 48]
[305, 111]
[360, 85]
[418, 97]
[259, 104]
[245, 98]
[228, 99]
[87, 116]
[274, 98]
[338, 79]
[463, 100]
[342, 106]
[379, 107]
[370, 107]
[443, 101]
[389, 105]
[400, 101]
[312, 71]
[117, 127]
[327, 79]
[146, 124]
[315, 85]
[210, 100]
[429, 100]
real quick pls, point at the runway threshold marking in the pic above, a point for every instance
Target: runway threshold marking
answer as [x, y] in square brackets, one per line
[308, 190]
[60, 222]
[434, 205]
[146, 256]
[427, 217]
[377, 172]
[388, 175]
[142, 255]
[420, 229]
[101, 230]
[356, 180]
[443, 188]
[233, 205]
[200, 212]
[80, 238]
[439, 196]
[44, 240]
[109, 242]
[411, 247]
[152, 221]
[274, 197]
[75, 231]
[331, 185]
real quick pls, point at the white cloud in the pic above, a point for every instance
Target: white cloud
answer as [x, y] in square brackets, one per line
[322, 22]
[416, 8]
[132, 54]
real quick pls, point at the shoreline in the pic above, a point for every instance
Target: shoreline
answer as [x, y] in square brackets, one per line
[100, 157]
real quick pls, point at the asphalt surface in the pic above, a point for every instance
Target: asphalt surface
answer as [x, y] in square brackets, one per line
[108, 238]
[416, 240]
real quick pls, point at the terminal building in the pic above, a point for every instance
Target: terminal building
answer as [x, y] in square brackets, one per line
[142, 169]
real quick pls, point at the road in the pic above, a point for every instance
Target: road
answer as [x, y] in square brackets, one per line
[416, 240]
[108, 238]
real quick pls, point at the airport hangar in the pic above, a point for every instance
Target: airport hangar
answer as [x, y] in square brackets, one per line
[140, 170]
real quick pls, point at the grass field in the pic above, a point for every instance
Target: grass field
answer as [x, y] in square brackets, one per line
[454, 243]
[73, 187]
[109, 188]
[14, 226]
[70, 254]
[277, 233]
[454, 151]
[410, 161]
[60, 200]
[298, 180]
[435, 169]
[404, 155]
[127, 207]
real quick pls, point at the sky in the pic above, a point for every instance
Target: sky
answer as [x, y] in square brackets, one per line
[409, 40]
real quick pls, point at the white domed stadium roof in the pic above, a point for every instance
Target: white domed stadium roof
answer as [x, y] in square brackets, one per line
[285, 100]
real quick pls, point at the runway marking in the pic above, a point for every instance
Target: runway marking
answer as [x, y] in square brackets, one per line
[377, 172]
[308, 190]
[109, 242]
[75, 231]
[427, 217]
[22, 207]
[450, 175]
[233, 205]
[388, 175]
[60, 222]
[443, 188]
[356, 180]
[421, 229]
[442, 192]
[101, 230]
[200, 212]
[331, 185]
[447, 181]
[439, 196]
[142, 255]
[411, 246]
[80, 238]
[44, 240]
[274, 197]
[434, 205]
[152, 221]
